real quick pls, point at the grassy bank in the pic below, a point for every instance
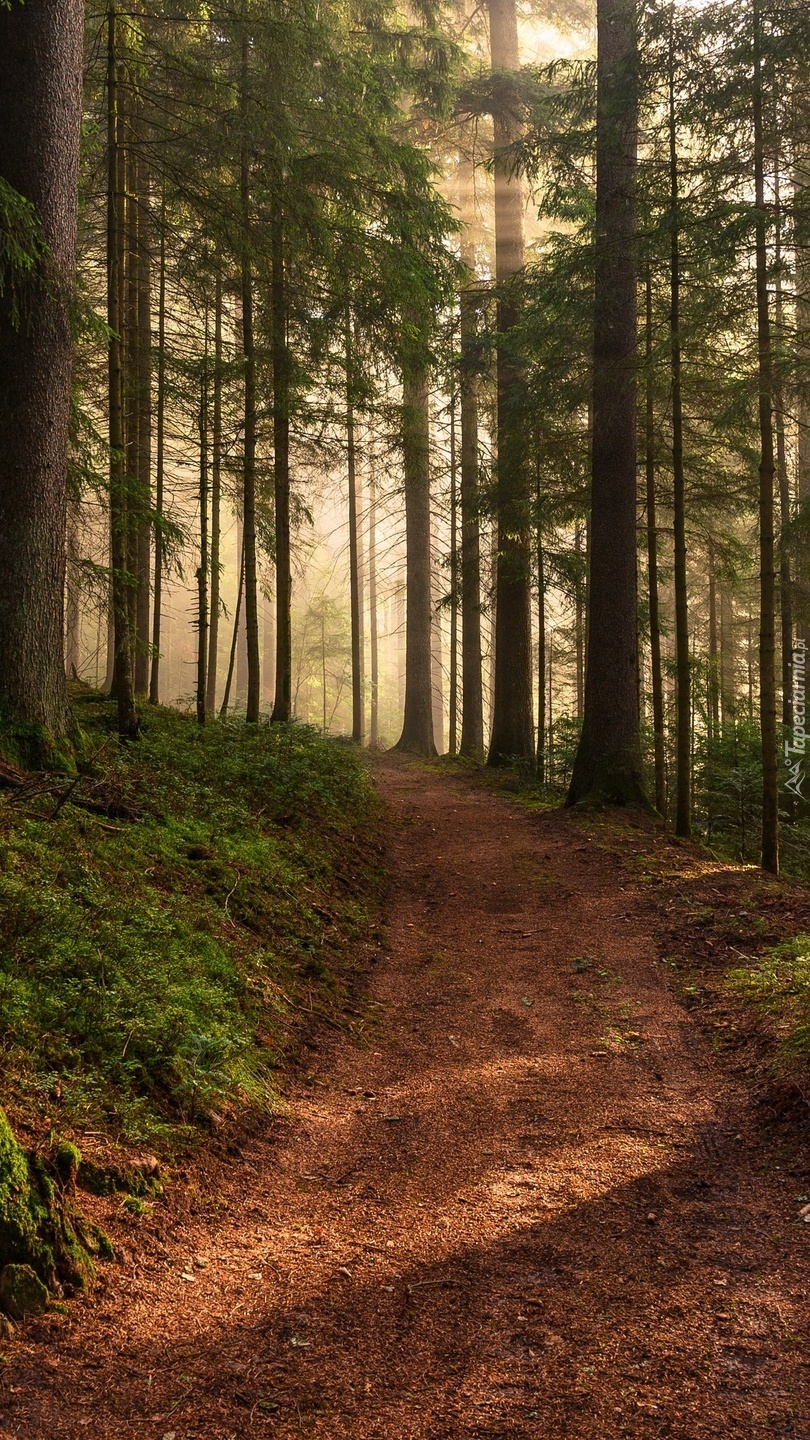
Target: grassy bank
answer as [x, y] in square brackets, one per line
[166, 918]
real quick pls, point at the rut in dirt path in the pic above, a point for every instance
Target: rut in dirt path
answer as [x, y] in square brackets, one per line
[535, 1207]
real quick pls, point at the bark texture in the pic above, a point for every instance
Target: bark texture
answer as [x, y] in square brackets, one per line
[40, 110]
[608, 761]
[417, 727]
[512, 725]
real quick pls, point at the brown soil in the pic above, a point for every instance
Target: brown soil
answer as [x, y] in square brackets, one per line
[524, 1197]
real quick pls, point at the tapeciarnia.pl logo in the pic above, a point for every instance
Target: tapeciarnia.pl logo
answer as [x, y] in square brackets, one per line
[795, 744]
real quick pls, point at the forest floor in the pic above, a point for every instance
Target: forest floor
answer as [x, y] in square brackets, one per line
[526, 1197]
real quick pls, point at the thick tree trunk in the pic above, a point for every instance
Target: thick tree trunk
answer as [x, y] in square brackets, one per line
[608, 761]
[40, 110]
[512, 724]
[767, 468]
[652, 569]
[282, 706]
[417, 728]
[160, 436]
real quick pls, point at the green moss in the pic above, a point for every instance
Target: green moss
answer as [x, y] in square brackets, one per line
[778, 984]
[34, 747]
[22, 1292]
[39, 1227]
[160, 931]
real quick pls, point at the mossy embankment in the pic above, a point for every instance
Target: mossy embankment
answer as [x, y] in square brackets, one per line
[166, 917]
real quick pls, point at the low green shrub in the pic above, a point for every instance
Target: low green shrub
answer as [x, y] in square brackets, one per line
[162, 917]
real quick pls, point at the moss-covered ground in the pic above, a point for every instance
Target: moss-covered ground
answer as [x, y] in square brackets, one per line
[167, 914]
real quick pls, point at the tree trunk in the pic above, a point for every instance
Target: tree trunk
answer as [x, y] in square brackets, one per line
[282, 707]
[417, 728]
[512, 724]
[216, 505]
[472, 697]
[253, 706]
[608, 761]
[40, 110]
[119, 499]
[436, 655]
[374, 728]
[767, 581]
[142, 265]
[714, 686]
[160, 420]
[783, 479]
[72, 607]
[453, 697]
[579, 627]
[237, 615]
[728, 680]
[355, 597]
[542, 775]
[202, 570]
[652, 570]
[683, 764]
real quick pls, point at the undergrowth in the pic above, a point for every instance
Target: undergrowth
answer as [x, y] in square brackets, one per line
[778, 985]
[164, 917]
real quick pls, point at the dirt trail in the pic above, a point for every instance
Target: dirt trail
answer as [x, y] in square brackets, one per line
[536, 1206]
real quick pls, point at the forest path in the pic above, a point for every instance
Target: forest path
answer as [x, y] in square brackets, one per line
[533, 1206]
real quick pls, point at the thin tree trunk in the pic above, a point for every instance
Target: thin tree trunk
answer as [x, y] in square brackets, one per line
[237, 615]
[143, 408]
[72, 606]
[767, 592]
[417, 728]
[472, 697]
[202, 570]
[652, 569]
[512, 723]
[282, 707]
[355, 599]
[436, 648]
[713, 687]
[683, 763]
[160, 419]
[119, 509]
[608, 761]
[785, 577]
[579, 628]
[253, 705]
[374, 728]
[216, 505]
[728, 685]
[542, 774]
[453, 697]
